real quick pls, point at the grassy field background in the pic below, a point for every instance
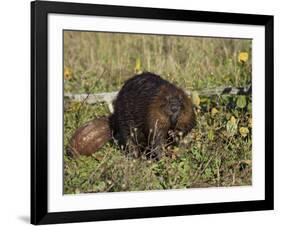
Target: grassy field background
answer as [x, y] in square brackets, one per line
[216, 153]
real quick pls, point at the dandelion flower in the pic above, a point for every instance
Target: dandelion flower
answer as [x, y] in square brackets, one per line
[214, 111]
[244, 131]
[68, 73]
[243, 57]
[138, 66]
[233, 120]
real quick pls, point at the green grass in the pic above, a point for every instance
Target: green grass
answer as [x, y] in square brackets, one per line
[215, 153]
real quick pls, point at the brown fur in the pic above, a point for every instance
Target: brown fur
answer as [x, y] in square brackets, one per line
[186, 119]
[144, 116]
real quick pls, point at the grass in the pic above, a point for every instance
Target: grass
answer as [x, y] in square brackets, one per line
[218, 150]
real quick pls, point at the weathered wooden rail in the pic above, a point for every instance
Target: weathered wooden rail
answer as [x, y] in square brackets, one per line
[109, 97]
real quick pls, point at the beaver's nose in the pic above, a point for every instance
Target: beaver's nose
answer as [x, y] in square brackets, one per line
[174, 108]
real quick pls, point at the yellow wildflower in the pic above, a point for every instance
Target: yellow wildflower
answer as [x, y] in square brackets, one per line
[214, 111]
[138, 66]
[243, 57]
[68, 73]
[244, 131]
[233, 120]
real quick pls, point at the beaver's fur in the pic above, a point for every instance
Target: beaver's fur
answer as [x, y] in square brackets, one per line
[146, 110]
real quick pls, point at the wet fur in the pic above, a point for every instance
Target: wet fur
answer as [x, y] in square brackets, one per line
[142, 117]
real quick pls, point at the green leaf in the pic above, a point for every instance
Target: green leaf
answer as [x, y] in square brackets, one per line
[211, 135]
[195, 98]
[249, 107]
[241, 102]
[231, 126]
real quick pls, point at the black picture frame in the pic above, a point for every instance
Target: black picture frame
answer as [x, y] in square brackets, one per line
[39, 112]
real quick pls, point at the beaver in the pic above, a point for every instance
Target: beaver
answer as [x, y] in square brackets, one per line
[149, 112]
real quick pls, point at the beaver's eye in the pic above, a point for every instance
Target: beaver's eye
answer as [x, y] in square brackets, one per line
[181, 99]
[167, 98]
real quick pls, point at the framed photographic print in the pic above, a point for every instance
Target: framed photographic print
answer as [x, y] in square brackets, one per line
[144, 112]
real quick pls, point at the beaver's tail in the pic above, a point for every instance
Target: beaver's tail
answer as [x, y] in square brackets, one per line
[87, 139]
